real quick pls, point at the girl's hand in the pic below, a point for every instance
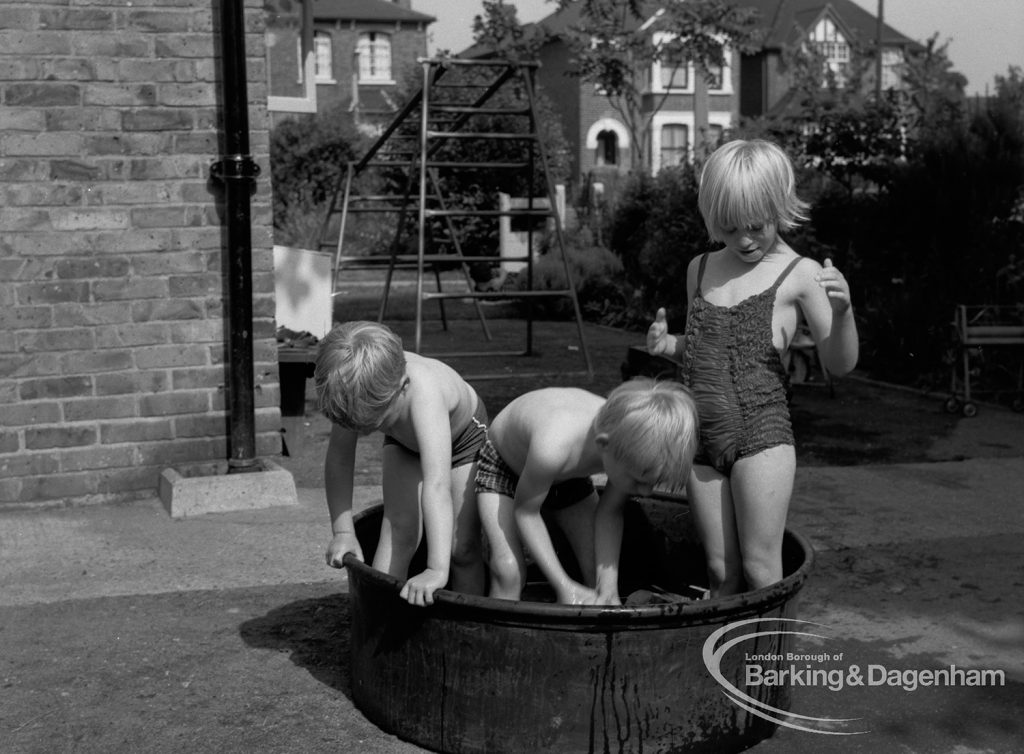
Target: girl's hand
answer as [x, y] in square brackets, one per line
[341, 543]
[835, 286]
[419, 590]
[657, 335]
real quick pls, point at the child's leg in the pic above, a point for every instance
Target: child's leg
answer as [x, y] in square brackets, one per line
[577, 521]
[762, 485]
[711, 504]
[402, 526]
[508, 565]
[467, 556]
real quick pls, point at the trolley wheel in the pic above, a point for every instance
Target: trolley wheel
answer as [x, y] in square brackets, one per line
[970, 410]
[952, 405]
[1018, 404]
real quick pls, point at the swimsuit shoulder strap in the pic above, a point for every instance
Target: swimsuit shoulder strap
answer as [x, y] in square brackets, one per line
[785, 273]
[700, 272]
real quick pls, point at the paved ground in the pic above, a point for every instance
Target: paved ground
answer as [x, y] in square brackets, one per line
[124, 630]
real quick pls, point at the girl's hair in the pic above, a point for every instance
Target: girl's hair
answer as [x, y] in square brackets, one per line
[651, 427]
[747, 183]
[360, 367]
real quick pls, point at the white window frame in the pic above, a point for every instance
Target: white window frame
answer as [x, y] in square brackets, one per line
[621, 135]
[720, 118]
[829, 41]
[371, 41]
[687, 155]
[691, 72]
[323, 54]
[307, 102]
[607, 124]
[662, 119]
[659, 38]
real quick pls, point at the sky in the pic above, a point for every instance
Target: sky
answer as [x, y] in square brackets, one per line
[985, 36]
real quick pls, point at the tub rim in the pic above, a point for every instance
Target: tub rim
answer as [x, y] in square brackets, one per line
[711, 610]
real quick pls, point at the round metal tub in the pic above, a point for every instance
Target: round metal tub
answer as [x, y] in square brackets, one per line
[475, 674]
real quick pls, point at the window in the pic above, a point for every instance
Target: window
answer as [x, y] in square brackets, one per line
[830, 43]
[673, 72]
[892, 68]
[324, 72]
[607, 148]
[716, 78]
[675, 144]
[374, 51]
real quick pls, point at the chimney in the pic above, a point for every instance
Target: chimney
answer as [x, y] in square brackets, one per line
[407, 4]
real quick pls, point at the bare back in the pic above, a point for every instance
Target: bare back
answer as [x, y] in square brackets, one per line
[551, 426]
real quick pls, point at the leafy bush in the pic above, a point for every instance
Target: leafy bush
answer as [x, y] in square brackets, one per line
[656, 230]
[308, 157]
[596, 274]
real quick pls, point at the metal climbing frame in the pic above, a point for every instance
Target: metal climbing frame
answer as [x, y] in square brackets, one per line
[446, 131]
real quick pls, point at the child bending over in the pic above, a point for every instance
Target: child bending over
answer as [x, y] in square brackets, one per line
[433, 425]
[541, 450]
[746, 301]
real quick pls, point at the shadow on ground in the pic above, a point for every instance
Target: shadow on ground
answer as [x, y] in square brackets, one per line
[313, 633]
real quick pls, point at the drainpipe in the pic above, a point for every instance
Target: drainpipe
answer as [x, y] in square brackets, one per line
[237, 171]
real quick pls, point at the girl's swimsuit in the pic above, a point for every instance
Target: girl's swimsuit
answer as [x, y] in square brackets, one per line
[736, 376]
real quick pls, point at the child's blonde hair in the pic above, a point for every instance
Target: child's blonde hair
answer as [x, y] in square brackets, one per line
[360, 367]
[749, 183]
[651, 427]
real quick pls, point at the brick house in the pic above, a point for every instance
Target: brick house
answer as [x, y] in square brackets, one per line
[698, 109]
[359, 51]
[113, 281]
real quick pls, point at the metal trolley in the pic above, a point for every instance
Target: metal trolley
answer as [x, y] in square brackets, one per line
[986, 362]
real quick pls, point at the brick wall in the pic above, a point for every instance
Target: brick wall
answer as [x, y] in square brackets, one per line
[113, 292]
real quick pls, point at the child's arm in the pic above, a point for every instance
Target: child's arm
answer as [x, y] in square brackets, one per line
[608, 544]
[432, 426]
[659, 341]
[531, 491]
[339, 471]
[831, 321]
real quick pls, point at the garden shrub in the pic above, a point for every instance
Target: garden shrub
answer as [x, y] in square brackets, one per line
[596, 274]
[308, 158]
[656, 230]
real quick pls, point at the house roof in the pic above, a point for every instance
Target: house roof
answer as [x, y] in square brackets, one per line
[367, 10]
[784, 21]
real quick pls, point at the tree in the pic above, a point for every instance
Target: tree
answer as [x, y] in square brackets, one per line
[615, 47]
[499, 29]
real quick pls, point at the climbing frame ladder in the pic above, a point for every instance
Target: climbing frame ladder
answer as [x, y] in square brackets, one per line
[444, 133]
